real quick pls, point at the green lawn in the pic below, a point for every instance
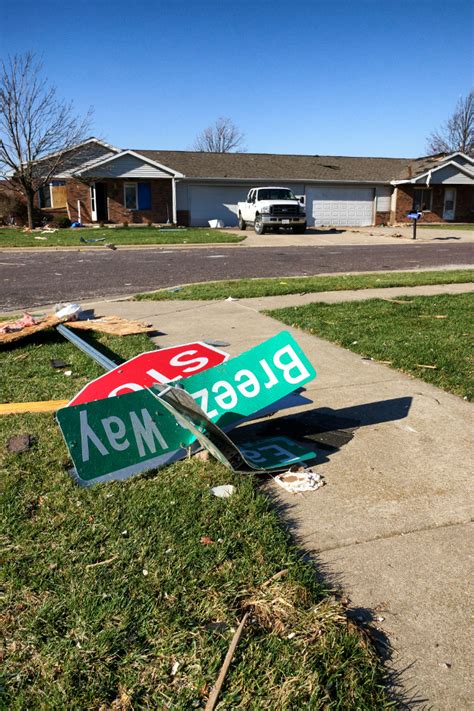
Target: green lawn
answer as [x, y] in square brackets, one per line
[112, 601]
[449, 226]
[246, 288]
[118, 235]
[420, 331]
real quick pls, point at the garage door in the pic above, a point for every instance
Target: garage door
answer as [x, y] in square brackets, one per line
[345, 207]
[207, 202]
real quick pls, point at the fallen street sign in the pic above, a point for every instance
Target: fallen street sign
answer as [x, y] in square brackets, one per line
[251, 381]
[143, 371]
[115, 438]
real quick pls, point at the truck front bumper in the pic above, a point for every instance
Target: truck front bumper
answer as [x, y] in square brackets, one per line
[273, 221]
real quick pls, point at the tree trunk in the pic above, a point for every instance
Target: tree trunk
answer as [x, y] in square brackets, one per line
[30, 197]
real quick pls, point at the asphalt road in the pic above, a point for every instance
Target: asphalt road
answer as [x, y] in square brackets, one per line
[29, 279]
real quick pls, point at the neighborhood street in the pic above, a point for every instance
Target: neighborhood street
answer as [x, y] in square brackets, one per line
[35, 278]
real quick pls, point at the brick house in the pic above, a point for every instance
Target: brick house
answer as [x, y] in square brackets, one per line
[102, 183]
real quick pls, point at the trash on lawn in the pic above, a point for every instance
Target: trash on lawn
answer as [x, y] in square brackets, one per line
[42, 238]
[91, 241]
[231, 298]
[19, 324]
[429, 367]
[224, 491]
[109, 245]
[174, 289]
[216, 224]
[19, 443]
[114, 325]
[68, 372]
[58, 363]
[10, 336]
[299, 479]
[72, 311]
[206, 541]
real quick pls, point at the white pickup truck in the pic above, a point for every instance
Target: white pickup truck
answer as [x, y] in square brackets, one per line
[272, 208]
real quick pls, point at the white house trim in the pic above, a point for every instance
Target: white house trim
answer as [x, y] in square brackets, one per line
[139, 156]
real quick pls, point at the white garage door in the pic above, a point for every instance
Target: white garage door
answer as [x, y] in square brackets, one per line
[207, 202]
[345, 207]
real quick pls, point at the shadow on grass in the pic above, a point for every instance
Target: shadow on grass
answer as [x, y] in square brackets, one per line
[329, 430]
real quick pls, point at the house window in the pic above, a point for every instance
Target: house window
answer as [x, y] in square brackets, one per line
[137, 196]
[422, 199]
[130, 196]
[44, 195]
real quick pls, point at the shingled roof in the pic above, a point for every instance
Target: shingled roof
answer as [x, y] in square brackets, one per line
[271, 166]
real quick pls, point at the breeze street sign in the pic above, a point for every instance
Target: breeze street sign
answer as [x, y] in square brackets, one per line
[160, 366]
[113, 439]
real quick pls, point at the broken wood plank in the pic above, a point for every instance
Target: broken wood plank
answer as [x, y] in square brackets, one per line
[113, 325]
[431, 367]
[14, 408]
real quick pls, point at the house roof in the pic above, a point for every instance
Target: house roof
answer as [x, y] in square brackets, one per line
[264, 166]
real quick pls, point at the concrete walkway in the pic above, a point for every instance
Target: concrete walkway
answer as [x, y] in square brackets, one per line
[392, 526]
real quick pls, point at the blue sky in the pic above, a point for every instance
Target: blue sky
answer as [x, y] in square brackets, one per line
[368, 77]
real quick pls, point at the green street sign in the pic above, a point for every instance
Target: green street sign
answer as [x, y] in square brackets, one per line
[117, 437]
[251, 381]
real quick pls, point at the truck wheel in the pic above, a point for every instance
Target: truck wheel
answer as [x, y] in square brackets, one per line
[242, 225]
[258, 225]
[299, 229]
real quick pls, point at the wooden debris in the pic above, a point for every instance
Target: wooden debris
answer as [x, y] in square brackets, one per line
[14, 408]
[212, 700]
[114, 325]
[431, 367]
[396, 301]
[101, 562]
[41, 325]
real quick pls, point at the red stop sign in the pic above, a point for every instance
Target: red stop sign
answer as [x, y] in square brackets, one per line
[152, 367]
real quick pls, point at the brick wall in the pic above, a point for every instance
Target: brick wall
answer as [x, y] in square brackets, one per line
[382, 218]
[161, 202]
[464, 202]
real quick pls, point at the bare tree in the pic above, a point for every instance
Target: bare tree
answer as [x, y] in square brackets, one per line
[457, 133]
[223, 136]
[36, 128]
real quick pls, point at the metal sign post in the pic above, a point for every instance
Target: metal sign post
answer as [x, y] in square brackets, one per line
[414, 216]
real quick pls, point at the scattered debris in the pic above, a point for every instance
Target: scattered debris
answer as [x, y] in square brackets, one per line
[72, 311]
[213, 696]
[15, 408]
[58, 363]
[19, 324]
[101, 562]
[429, 367]
[109, 245]
[113, 325]
[206, 541]
[19, 443]
[68, 372]
[49, 231]
[42, 238]
[174, 668]
[299, 479]
[217, 344]
[445, 665]
[174, 289]
[231, 298]
[39, 325]
[224, 491]
[397, 301]
[91, 241]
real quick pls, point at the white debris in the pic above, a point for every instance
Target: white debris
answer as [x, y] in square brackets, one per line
[231, 298]
[174, 668]
[224, 491]
[299, 480]
[145, 572]
[72, 310]
[68, 372]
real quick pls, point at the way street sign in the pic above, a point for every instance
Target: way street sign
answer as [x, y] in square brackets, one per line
[117, 438]
[160, 366]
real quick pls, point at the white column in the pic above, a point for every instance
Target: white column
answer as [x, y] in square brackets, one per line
[173, 198]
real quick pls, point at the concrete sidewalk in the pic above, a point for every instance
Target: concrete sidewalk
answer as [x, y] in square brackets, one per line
[392, 526]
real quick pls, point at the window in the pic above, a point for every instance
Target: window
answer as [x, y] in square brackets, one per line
[130, 196]
[44, 194]
[422, 199]
[137, 196]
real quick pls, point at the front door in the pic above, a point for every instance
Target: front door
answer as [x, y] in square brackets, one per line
[101, 202]
[449, 205]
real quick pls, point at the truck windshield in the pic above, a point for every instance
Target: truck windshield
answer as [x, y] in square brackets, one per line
[275, 194]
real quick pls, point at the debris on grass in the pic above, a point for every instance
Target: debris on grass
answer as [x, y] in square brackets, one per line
[15, 408]
[224, 491]
[298, 479]
[58, 363]
[19, 443]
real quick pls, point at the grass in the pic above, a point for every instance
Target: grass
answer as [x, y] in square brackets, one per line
[10, 237]
[111, 600]
[431, 331]
[448, 226]
[247, 288]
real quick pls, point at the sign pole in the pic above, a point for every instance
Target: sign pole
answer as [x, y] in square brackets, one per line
[93, 353]
[414, 228]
